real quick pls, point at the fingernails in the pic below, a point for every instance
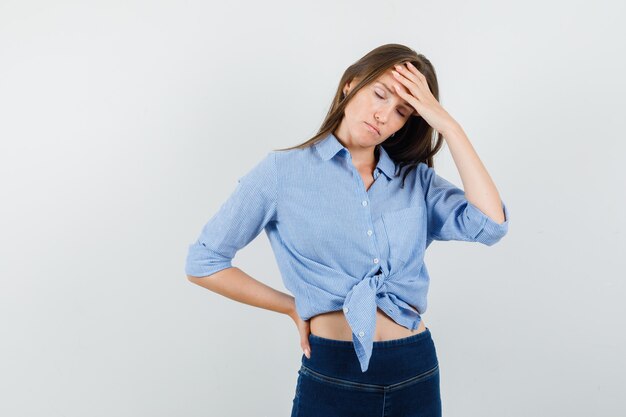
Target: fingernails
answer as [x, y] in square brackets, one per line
[307, 352]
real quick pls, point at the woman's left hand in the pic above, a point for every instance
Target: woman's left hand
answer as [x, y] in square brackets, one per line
[420, 97]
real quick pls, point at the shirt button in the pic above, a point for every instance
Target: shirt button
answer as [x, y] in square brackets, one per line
[375, 260]
[364, 202]
[369, 232]
[361, 334]
[345, 309]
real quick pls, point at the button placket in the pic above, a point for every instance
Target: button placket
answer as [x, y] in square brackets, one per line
[370, 233]
[365, 203]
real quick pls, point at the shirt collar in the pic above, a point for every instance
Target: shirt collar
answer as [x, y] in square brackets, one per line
[330, 146]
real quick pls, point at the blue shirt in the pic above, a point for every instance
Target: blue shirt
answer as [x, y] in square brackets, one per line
[338, 246]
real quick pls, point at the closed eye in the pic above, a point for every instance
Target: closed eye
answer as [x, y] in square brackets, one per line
[399, 112]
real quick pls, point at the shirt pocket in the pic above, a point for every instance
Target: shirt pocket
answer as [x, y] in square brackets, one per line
[406, 232]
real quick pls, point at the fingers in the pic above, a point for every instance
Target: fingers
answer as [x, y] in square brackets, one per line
[401, 78]
[306, 348]
[408, 73]
[410, 84]
[399, 90]
[402, 73]
[304, 339]
[415, 71]
[410, 69]
[413, 81]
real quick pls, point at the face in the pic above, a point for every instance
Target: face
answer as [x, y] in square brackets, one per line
[375, 112]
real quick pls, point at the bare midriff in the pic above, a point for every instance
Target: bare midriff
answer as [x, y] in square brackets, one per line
[333, 325]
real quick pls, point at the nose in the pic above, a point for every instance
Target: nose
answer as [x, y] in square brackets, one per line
[381, 115]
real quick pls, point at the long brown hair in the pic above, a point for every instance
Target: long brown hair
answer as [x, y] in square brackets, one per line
[416, 141]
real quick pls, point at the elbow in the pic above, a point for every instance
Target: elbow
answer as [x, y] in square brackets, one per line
[193, 279]
[492, 240]
[201, 263]
[204, 282]
[493, 231]
[491, 236]
[200, 276]
[213, 281]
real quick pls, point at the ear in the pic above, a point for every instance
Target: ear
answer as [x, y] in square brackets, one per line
[348, 87]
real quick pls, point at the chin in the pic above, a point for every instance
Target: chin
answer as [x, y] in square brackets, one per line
[366, 138]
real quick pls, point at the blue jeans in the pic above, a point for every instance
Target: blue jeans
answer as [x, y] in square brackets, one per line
[402, 379]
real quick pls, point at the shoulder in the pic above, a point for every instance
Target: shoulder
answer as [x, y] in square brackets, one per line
[427, 174]
[263, 173]
[417, 175]
[290, 159]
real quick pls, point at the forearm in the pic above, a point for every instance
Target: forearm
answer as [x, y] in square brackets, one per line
[479, 188]
[239, 286]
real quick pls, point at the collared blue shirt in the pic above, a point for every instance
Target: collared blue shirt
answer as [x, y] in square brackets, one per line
[338, 246]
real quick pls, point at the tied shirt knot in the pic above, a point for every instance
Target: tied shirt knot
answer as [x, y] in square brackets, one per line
[360, 308]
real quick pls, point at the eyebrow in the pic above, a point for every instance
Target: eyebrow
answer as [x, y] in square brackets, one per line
[410, 108]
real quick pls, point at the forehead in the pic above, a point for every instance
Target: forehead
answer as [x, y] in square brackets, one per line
[386, 76]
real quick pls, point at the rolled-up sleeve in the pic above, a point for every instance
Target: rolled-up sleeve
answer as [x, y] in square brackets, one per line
[241, 218]
[452, 217]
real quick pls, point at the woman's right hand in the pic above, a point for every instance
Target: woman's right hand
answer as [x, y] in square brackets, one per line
[304, 329]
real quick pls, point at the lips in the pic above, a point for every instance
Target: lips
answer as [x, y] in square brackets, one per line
[377, 131]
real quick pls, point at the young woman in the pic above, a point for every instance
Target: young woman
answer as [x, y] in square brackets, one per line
[349, 214]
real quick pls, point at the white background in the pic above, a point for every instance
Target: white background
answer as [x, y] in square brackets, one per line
[125, 124]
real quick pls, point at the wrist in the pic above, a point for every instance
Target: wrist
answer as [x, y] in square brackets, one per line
[291, 311]
[451, 129]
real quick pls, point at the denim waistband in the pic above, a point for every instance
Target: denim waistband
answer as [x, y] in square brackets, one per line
[392, 360]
